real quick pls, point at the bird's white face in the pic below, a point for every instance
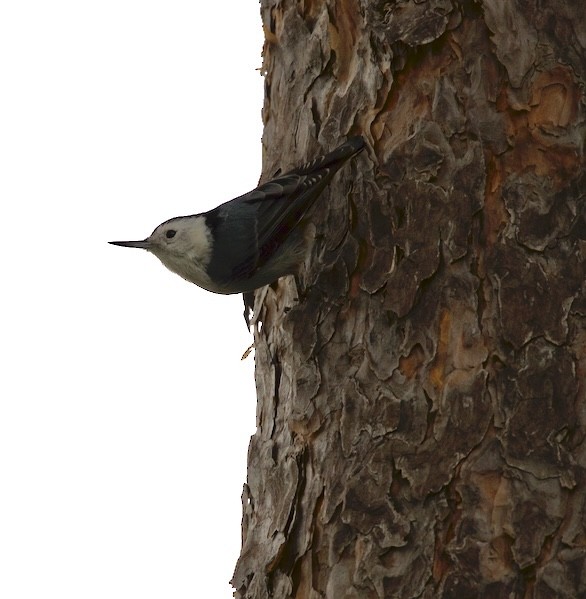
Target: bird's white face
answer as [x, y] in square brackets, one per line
[183, 245]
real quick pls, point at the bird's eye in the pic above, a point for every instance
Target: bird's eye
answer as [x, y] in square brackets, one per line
[170, 234]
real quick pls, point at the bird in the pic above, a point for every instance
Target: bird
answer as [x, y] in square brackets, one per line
[252, 240]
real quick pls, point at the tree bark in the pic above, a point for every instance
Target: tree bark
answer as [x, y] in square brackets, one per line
[422, 405]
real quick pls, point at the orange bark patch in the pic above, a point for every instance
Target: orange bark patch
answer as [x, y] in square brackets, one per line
[411, 95]
[555, 99]
[538, 134]
[355, 280]
[343, 34]
[438, 371]
[409, 365]
[303, 577]
[495, 215]
[555, 160]
[538, 131]
[494, 494]
[309, 10]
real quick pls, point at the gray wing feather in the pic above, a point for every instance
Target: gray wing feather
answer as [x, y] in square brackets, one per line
[261, 220]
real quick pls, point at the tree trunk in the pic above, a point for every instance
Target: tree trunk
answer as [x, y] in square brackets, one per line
[421, 408]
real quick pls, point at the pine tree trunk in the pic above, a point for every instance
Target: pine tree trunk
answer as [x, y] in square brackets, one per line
[422, 407]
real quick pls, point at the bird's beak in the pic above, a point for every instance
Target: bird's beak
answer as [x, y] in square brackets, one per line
[145, 244]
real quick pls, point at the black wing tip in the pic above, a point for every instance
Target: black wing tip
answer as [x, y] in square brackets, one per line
[332, 160]
[356, 142]
[352, 146]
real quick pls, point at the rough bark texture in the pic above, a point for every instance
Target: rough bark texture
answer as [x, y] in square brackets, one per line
[422, 408]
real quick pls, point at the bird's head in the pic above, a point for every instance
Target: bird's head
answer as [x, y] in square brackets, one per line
[183, 244]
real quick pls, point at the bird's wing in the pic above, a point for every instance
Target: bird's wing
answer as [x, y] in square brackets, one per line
[247, 224]
[283, 201]
[273, 210]
[280, 205]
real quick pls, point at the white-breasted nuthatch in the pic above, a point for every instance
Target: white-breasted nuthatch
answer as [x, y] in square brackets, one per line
[250, 241]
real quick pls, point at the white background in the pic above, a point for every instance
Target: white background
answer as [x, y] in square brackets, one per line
[125, 410]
